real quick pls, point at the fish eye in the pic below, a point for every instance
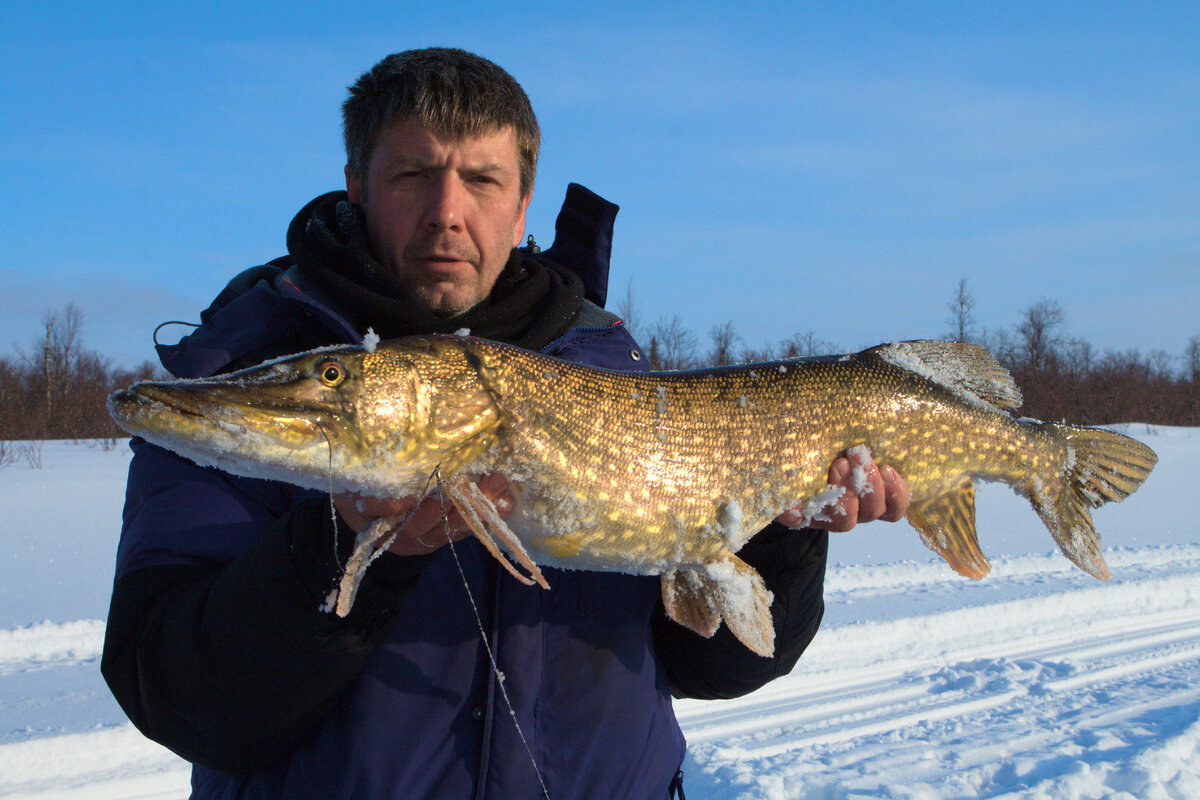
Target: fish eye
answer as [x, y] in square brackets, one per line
[331, 372]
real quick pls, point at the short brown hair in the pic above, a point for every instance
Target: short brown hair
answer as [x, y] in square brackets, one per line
[454, 92]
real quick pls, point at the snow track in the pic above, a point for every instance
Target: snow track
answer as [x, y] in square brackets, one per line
[1061, 687]
[1036, 682]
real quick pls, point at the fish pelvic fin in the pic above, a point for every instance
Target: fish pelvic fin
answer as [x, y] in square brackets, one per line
[482, 518]
[687, 602]
[727, 588]
[1103, 467]
[947, 526]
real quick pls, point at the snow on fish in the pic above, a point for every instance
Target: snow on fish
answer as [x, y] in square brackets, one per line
[666, 473]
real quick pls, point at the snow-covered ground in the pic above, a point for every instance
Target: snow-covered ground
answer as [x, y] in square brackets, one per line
[1035, 682]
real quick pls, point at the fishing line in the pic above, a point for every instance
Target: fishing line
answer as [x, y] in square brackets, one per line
[332, 507]
[371, 533]
[367, 545]
[484, 637]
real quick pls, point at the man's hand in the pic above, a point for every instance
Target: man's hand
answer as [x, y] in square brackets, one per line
[871, 493]
[424, 531]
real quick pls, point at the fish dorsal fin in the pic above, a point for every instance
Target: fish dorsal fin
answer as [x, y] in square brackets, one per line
[947, 526]
[727, 588]
[959, 366]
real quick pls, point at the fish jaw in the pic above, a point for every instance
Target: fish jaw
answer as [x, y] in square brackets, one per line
[294, 419]
[192, 411]
[207, 425]
[338, 419]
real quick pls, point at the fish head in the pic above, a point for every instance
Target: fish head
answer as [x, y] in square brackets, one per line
[341, 418]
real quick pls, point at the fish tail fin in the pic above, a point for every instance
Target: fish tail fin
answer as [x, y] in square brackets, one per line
[1102, 467]
[728, 588]
[947, 526]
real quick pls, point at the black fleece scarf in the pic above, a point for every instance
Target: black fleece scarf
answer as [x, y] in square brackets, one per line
[532, 304]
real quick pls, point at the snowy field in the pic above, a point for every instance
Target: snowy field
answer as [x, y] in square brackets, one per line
[1038, 682]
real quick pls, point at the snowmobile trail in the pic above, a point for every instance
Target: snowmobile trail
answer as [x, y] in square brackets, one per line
[1036, 682]
[991, 697]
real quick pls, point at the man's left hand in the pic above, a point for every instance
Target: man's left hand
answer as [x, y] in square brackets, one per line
[871, 493]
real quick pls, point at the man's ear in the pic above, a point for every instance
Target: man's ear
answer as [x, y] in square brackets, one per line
[519, 227]
[353, 186]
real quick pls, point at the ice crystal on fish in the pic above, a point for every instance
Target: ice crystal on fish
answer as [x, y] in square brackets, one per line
[859, 455]
[606, 479]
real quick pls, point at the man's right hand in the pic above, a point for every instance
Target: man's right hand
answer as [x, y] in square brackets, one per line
[424, 531]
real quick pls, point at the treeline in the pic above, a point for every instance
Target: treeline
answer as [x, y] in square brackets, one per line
[1062, 378]
[56, 388]
[1066, 378]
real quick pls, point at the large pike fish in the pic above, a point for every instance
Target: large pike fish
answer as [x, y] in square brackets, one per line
[648, 473]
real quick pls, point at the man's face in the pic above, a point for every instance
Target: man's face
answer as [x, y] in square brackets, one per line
[442, 214]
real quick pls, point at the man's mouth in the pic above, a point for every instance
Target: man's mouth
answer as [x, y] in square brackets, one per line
[442, 262]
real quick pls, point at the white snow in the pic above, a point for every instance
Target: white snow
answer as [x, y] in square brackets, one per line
[858, 455]
[1037, 682]
[818, 507]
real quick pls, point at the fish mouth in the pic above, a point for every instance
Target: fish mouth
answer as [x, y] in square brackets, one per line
[147, 396]
[183, 410]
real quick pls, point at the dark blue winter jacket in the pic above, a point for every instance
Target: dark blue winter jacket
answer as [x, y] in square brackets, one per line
[217, 648]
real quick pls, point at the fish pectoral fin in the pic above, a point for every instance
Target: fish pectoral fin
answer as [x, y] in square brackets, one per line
[368, 546]
[947, 526]
[484, 520]
[729, 589]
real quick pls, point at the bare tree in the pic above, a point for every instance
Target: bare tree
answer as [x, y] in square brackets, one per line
[1079, 357]
[962, 317]
[53, 362]
[750, 354]
[672, 346]
[1191, 372]
[1191, 361]
[1039, 333]
[1001, 345]
[57, 389]
[628, 311]
[803, 345]
[723, 338]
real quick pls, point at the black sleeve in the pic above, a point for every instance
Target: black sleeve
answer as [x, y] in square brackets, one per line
[792, 564]
[231, 666]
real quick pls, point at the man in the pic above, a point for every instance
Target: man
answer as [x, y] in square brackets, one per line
[216, 644]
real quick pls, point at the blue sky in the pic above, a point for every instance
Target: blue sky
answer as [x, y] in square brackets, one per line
[791, 168]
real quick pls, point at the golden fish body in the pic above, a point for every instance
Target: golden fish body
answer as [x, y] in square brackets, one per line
[650, 473]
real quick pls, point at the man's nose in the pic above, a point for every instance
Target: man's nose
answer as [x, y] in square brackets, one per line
[444, 203]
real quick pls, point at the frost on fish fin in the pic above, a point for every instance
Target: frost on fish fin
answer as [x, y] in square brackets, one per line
[687, 602]
[745, 603]
[959, 366]
[1104, 466]
[729, 588]
[482, 518]
[947, 526]
[371, 542]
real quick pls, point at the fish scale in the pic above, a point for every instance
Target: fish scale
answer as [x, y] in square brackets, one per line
[762, 436]
[650, 473]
